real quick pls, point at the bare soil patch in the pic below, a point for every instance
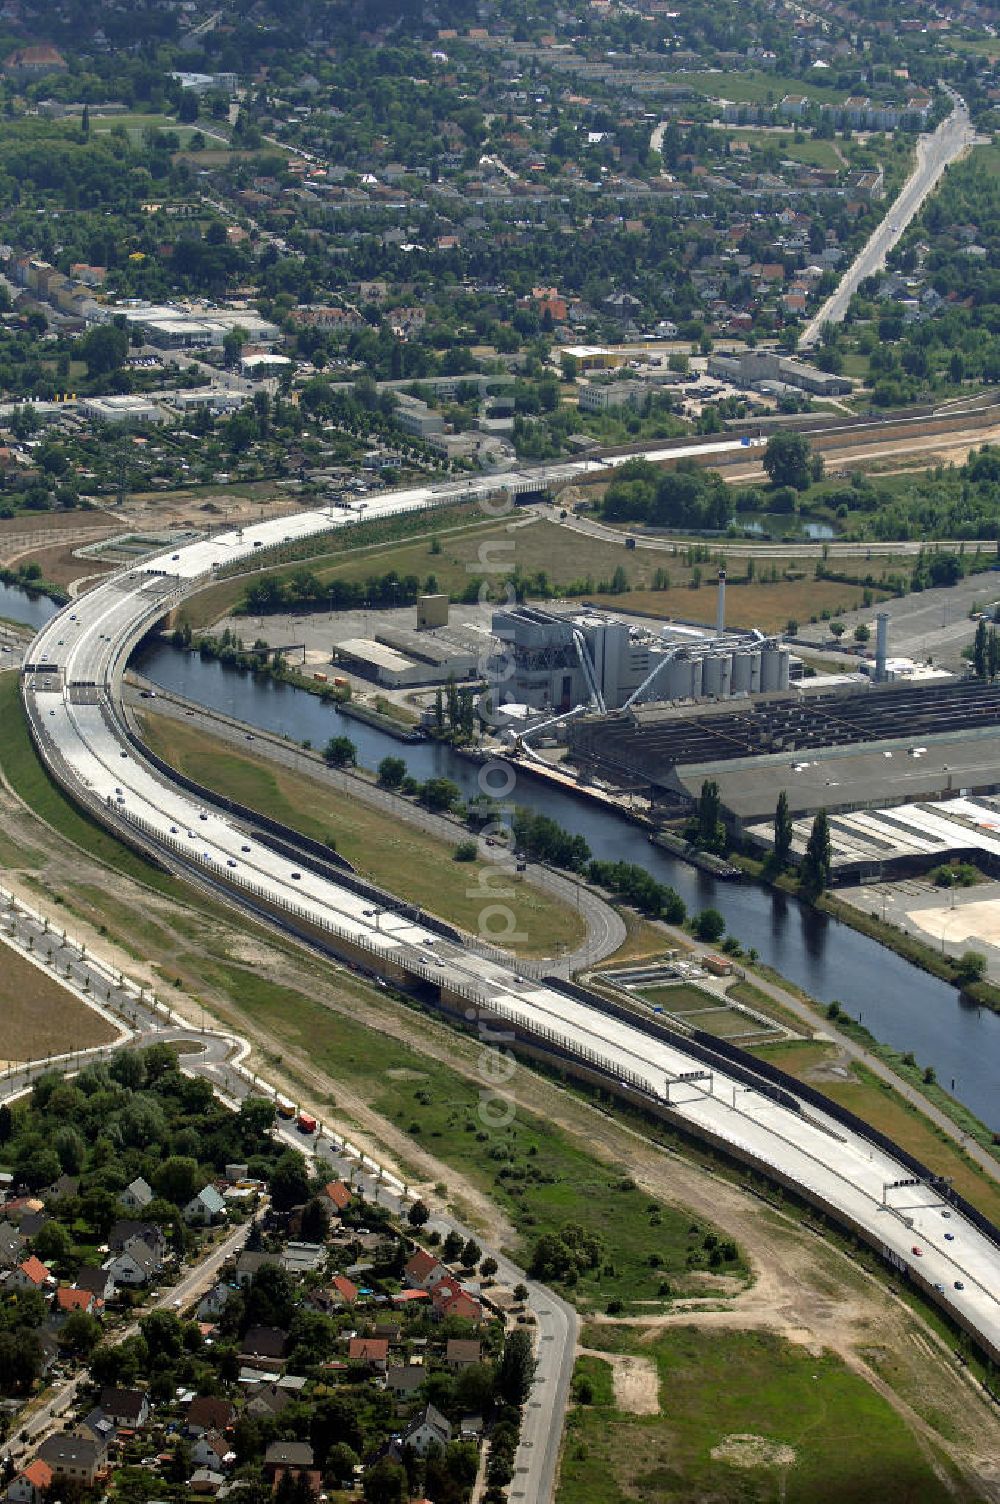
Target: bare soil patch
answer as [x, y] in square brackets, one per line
[748, 1450]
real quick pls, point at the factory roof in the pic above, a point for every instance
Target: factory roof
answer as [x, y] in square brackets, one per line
[858, 776]
[368, 651]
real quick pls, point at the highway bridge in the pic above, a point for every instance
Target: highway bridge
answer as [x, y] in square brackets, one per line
[71, 689]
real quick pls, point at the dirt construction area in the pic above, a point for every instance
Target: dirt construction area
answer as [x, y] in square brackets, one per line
[635, 1380]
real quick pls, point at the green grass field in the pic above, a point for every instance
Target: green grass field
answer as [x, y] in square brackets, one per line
[840, 1442]
[755, 88]
[412, 864]
[813, 153]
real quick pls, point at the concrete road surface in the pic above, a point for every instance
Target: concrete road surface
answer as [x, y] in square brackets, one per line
[934, 153]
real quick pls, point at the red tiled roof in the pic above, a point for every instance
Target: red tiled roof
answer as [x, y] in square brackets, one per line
[368, 1349]
[338, 1193]
[38, 1473]
[345, 1288]
[73, 1300]
[35, 1270]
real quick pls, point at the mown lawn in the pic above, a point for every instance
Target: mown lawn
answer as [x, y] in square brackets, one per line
[849, 1445]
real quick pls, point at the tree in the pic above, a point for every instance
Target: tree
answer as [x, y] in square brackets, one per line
[176, 1179]
[385, 1483]
[782, 831]
[862, 633]
[340, 752]
[814, 873]
[786, 460]
[6, 1123]
[419, 1214]
[104, 348]
[452, 1247]
[971, 967]
[488, 1268]
[471, 1254]
[709, 832]
[53, 1243]
[837, 629]
[289, 1181]
[517, 1368]
[80, 1333]
[979, 649]
[391, 772]
[709, 926]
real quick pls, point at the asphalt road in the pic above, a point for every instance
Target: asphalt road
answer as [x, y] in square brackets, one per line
[606, 930]
[934, 154]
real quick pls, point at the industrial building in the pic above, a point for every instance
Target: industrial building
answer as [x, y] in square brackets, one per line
[171, 327]
[880, 842]
[556, 662]
[765, 368]
[839, 750]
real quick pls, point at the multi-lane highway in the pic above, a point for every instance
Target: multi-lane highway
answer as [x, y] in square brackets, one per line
[70, 684]
[934, 153]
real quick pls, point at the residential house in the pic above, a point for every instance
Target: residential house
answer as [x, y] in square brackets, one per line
[137, 1196]
[208, 1412]
[266, 1344]
[136, 1265]
[98, 1282]
[372, 1351]
[463, 1352]
[429, 1428]
[404, 1379]
[31, 1484]
[31, 1274]
[153, 1236]
[205, 1480]
[96, 1426]
[337, 1194]
[126, 1407]
[71, 1457]
[205, 1208]
[212, 1305]
[267, 1400]
[248, 1264]
[62, 1187]
[11, 1245]
[423, 1271]
[302, 1258]
[69, 1300]
[287, 1457]
[345, 1288]
[26, 64]
[450, 1299]
[210, 1450]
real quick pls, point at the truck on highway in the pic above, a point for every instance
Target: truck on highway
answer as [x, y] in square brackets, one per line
[286, 1109]
[306, 1122]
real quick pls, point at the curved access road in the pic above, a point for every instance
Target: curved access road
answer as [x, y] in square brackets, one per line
[71, 687]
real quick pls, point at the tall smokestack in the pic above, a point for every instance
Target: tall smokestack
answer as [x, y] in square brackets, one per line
[881, 645]
[720, 610]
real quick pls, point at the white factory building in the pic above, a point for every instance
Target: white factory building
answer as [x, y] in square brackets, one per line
[554, 662]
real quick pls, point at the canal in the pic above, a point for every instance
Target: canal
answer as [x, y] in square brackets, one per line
[900, 1004]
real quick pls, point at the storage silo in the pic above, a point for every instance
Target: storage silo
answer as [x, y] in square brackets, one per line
[773, 667]
[716, 675]
[742, 672]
